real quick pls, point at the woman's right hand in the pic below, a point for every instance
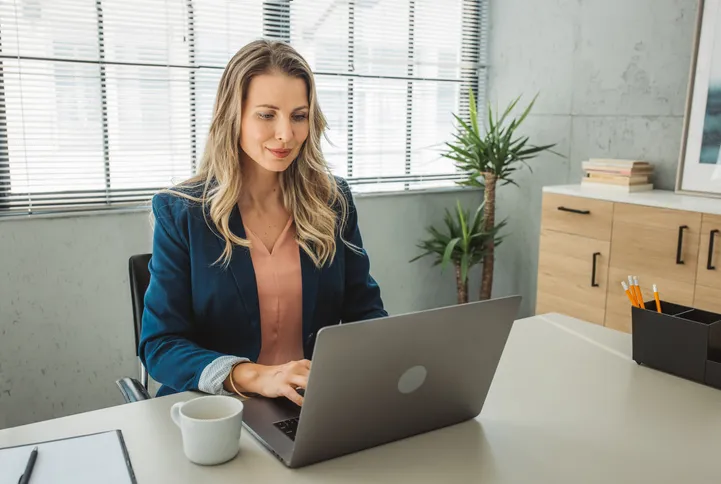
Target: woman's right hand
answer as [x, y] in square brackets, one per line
[273, 381]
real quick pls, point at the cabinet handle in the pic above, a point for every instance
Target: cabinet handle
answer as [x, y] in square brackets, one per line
[573, 210]
[593, 270]
[709, 264]
[679, 246]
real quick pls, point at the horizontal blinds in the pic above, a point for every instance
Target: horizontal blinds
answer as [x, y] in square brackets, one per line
[390, 75]
[104, 102]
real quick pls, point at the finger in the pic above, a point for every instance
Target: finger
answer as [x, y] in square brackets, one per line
[292, 395]
[305, 363]
[298, 380]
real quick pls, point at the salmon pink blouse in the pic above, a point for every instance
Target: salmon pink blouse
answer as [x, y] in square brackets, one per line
[280, 299]
[280, 296]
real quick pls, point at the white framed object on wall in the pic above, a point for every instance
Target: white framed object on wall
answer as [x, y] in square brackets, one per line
[699, 168]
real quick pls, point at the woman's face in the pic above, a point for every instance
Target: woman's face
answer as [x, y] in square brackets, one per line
[274, 120]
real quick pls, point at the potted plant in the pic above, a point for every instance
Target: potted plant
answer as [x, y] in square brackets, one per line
[487, 157]
[462, 242]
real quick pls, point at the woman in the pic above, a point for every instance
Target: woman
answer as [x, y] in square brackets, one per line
[261, 249]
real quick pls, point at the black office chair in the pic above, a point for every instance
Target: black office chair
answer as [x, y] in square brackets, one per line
[139, 275]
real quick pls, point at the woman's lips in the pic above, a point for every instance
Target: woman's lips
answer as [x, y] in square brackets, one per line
[280, 153]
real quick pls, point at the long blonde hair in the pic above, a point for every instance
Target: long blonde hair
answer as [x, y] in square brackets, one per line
[310, 192]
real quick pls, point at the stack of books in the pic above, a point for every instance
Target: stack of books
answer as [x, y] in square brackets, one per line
[624, 175]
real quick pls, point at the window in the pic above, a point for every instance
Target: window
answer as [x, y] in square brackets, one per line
[104, 102]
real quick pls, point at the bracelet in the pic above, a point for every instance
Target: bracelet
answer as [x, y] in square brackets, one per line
[232, 383]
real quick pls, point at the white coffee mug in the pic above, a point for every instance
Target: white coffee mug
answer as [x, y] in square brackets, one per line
[210, 427]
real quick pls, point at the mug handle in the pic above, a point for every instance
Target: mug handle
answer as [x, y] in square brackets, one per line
[175, 412]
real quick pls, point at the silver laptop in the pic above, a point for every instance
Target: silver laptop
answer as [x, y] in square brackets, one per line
[381, 380]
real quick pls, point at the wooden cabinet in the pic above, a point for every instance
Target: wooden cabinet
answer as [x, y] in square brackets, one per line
[589, 243]
[708, 273]
[657, 245]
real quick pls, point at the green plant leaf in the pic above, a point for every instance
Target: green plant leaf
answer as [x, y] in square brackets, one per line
[527, 111]
[491, 125]
[522, 153]
[464, 154]
[471, 182]
[462, 219]
[473, 112]
[508, 110]
[478, 218]
[449, 250]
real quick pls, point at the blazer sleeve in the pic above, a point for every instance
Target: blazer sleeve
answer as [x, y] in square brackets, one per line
[362, 294]
[166, 344]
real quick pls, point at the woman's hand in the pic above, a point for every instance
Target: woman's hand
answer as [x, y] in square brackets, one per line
[272, 381]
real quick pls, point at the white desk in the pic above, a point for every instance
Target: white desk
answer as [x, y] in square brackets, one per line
[568, 405]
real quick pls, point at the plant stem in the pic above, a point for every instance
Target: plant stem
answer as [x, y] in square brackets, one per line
[489, 221]
[461, 285]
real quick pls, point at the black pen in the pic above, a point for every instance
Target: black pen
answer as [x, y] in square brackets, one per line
[25, 478]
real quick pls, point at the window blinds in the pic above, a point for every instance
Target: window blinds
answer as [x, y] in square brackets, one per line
[103, 102]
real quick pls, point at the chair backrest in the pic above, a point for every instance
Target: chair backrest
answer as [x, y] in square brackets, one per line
[139, 280]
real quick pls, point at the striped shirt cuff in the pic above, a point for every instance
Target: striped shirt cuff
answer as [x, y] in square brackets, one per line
[213, 376]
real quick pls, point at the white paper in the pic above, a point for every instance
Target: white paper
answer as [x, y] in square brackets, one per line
[78, 460]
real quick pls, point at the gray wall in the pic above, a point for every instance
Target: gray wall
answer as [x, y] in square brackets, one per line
[65, 319]
[612, 77]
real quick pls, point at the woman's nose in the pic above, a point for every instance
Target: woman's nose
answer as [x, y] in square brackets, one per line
[283, 131]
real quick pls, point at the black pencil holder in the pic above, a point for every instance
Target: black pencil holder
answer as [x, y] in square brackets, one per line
[680, 340]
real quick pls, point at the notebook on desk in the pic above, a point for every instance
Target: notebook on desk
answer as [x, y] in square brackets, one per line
[85, 459]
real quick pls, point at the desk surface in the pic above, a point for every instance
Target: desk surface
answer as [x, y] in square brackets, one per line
[567, 405]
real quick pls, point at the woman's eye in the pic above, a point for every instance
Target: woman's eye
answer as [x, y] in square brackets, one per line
[300, 117]
[265, 115]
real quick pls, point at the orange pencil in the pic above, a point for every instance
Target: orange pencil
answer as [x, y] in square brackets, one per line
[628, 293]
[639, 296]
[655, 296]
[633, 290]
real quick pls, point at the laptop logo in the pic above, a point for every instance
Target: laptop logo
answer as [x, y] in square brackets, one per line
[412, 379]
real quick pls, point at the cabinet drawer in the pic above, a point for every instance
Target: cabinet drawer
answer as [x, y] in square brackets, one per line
[576, 215]
[566, 282]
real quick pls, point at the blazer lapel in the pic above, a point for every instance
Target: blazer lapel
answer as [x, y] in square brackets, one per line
[309, 274]
[241, 266]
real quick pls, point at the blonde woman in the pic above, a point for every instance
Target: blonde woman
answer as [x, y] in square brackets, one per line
[261, 249]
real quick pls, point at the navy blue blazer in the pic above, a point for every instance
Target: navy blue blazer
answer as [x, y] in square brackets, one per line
[197, 311]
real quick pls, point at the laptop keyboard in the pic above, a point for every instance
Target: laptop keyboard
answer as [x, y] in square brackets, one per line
[288, 427]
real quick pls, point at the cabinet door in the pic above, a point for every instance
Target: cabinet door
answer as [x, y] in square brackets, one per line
[709, 257]
[708, 298]
[708, 276]
[566, 282]
[659, 246]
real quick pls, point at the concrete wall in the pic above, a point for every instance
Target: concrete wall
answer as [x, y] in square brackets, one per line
[612, 77]
[65, 319]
